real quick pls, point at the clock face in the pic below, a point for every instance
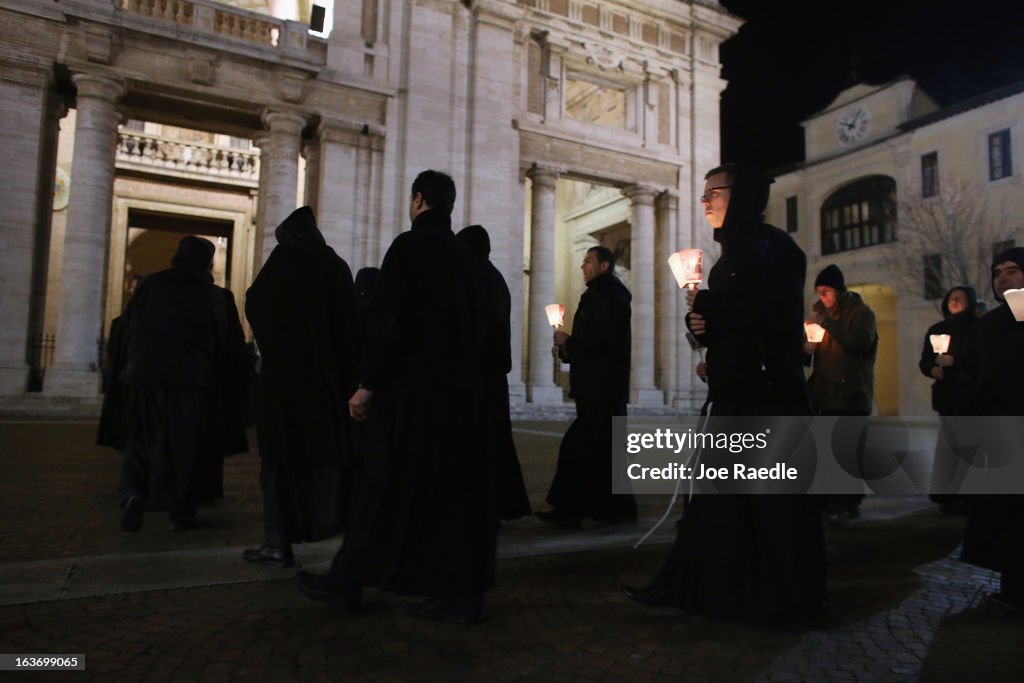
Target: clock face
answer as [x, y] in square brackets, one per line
[853, 125]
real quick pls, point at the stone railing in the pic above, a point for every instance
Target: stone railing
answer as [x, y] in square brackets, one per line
[224, 21]
[198, 160]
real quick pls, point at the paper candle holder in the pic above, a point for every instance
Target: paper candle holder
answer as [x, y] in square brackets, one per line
[556, 314]
[688, 267]
[815, 332]
[940, 342]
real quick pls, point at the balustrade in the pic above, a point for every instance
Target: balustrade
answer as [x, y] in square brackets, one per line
[158, 153]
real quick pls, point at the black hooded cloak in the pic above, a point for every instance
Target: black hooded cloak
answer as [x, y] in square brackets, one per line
[185, 365]
[514, 502]
[995, 523]
[950, 392]
[751, 557]
[302, 313]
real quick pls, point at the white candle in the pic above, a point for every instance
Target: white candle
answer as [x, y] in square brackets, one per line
[556, 314]
[815, 332]
[1015, 300]
[940, 342]
[687, 267]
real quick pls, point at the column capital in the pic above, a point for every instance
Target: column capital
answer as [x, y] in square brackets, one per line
[496, 13]
[543, 176]
[261, 139]
[668, 200]
[640, 194]
[283, 122]
[98, 87]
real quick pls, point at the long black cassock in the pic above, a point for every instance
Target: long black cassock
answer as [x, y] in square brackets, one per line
[302, 312]
[994, 537]
[426, 519]
[185, 365]
[514, 502]
[751, 557]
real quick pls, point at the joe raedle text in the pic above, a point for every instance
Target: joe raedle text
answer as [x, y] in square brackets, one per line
[739, 472]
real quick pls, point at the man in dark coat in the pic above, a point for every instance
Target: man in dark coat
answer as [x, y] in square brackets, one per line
[747, 557]
[426, 515]
[598, 355]
[995, 523]
[952, 386]
[302, 311]
[843, 380]
[513, 501]
[185, 365]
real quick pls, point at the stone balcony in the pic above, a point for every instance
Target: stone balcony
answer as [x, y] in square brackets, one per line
[154, 154]
[223, 21]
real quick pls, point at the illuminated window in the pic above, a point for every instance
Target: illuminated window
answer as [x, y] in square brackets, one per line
[859, 215]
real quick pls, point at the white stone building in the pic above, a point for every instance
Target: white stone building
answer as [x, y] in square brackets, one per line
[564, 123]
[894, 190]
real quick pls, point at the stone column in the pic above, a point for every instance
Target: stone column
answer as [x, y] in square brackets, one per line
[670, 336]
[336, 187]
[262, 140]
[282, 171]
[311, 153]
[642, 389]
[83, 270]
[540, 385]
[27, 127]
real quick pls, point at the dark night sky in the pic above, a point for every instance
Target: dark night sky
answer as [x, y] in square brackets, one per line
[791, 59]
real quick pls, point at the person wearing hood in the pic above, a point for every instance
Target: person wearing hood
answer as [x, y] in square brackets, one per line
[513, 501]
[843, 377]
[598, 352]
[994, 537]
[185, 368]
[302, 311]
[747, 557]
[952, 382]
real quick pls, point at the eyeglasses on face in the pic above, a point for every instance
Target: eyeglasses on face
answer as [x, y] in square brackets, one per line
[712, 192]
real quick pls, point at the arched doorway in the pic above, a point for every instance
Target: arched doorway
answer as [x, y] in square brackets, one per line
[882, 300]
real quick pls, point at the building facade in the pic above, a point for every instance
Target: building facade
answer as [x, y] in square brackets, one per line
[909, 200]
[564, 123]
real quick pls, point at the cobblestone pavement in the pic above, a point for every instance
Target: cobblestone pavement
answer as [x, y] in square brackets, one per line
[147, 607]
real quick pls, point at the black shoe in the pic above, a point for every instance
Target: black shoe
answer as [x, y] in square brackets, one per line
[559, 519]
[131, 516]
[314, 587]
[269, 555]
[648, 595]
[440, 610]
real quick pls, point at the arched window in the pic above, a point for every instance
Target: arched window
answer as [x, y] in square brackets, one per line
[861, 214]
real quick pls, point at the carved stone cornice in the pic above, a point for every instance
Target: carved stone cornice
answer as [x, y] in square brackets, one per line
[496, 13]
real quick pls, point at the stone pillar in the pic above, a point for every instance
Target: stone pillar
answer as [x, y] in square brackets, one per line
[27, 130]
[670, 336]
[540, 385]
[86, 242]
[311, 153]
[282, 172]
[336, 187]
[642, 389]
[262, 140]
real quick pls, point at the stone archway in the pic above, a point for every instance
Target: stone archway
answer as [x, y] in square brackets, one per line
[882, 300]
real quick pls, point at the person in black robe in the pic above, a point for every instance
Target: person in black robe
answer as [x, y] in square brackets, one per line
[994, 537]
[598, 353]
[747, 557]
[185, 366]
[514, 502]
[426, 516]
[112, 431]
[952, 383]
[302, 311]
